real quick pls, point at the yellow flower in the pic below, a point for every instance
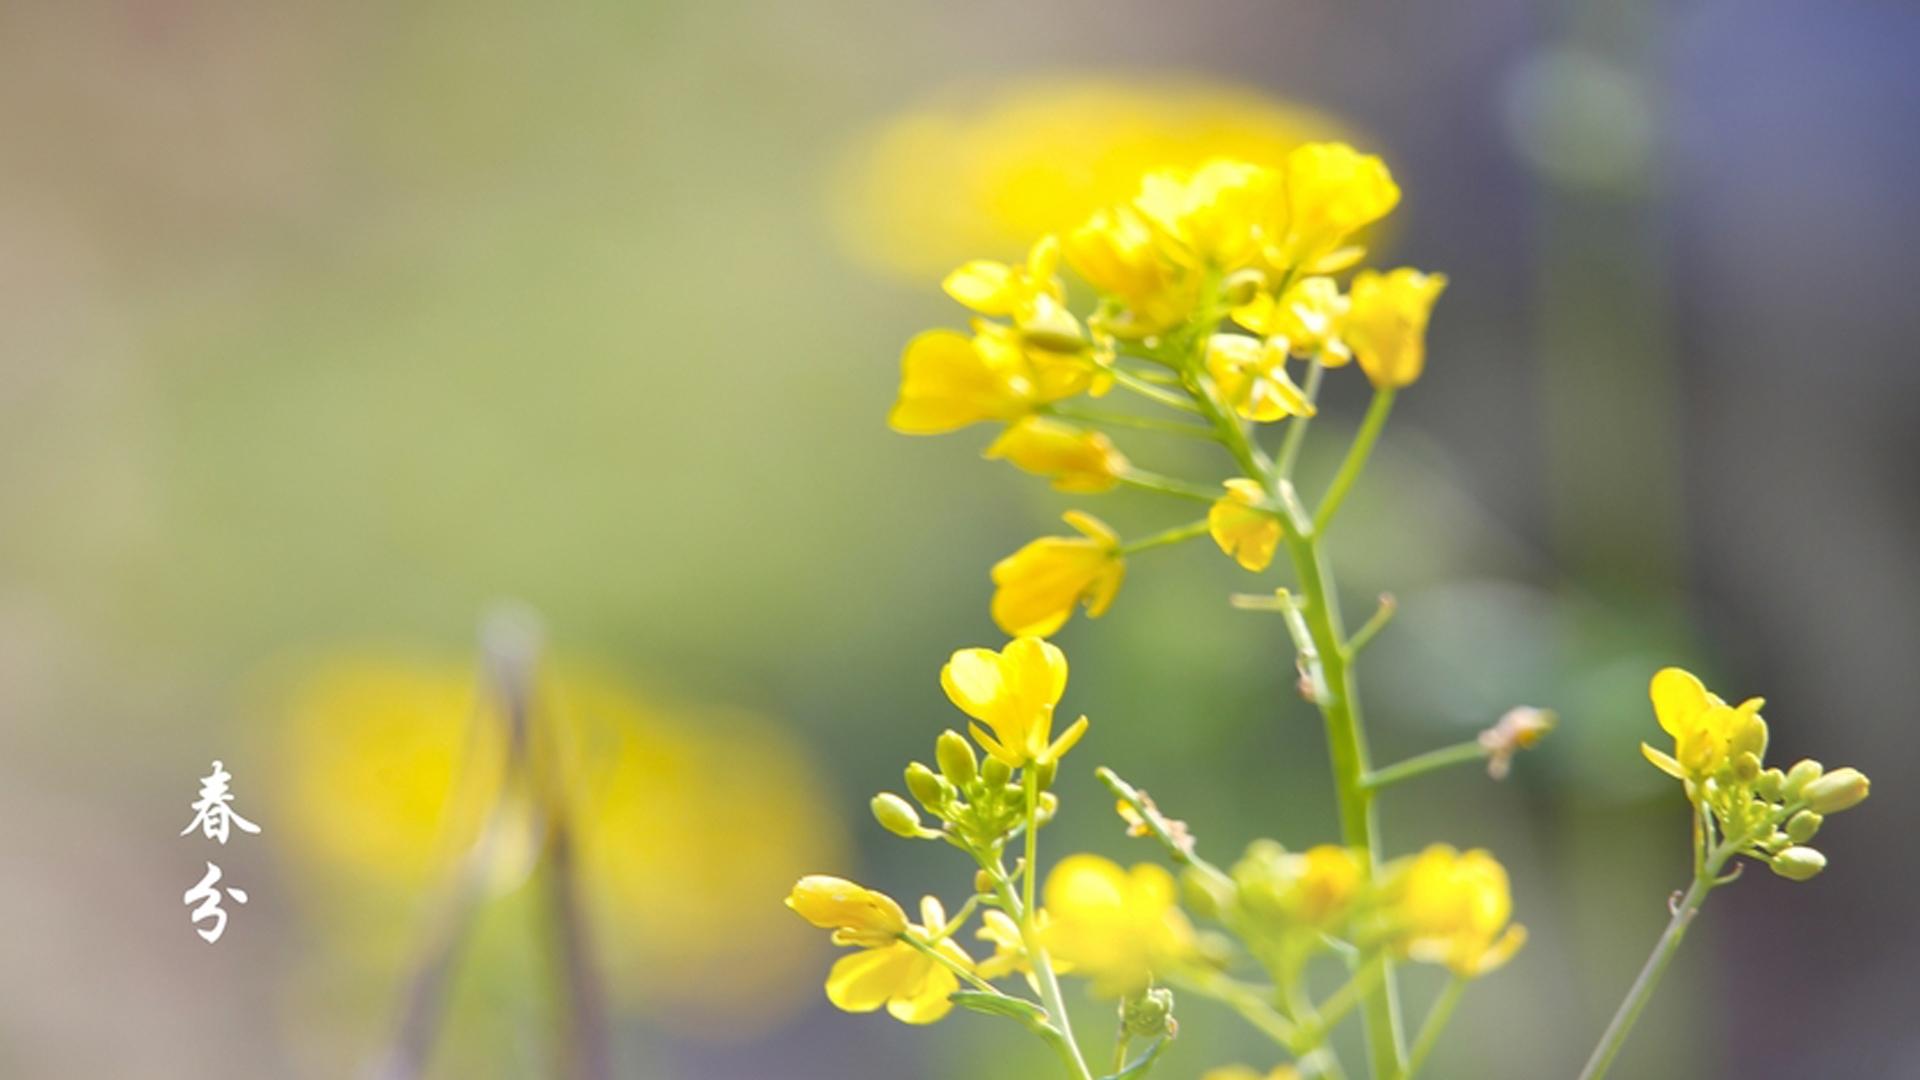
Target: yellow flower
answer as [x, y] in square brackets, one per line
[1075, 459]
[1241, 526]
[1387, 323]
[1316, 887]
[1252, 377]
[1332, 191]
[1453, 910]
[1117, 253]
[948, 380]
[914, 986]
[1708, 734]
[985, 169]
[1309, 317]
[1117, 927]
[856, 915]
[994, 288]
[1037, 586]
[1013, 692]
[1210, 216]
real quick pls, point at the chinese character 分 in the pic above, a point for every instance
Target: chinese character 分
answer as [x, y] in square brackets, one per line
[209, 900]
[212, 814]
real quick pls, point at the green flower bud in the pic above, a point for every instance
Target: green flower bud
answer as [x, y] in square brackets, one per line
[996, 772]
[1750, 739]
[1746, 768]
[1150, 1015]
[1241, 286]
[896, 815]
[1804, 772]
[1841, 789]
[956, 759]
[1045, 772]
[1046, 807]
[1798, 863]
[1771, 785]
[923, 785]
[1776, 843]
[1802, 826]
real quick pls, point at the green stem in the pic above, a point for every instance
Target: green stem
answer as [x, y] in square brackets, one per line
[1642, 990]
[1050, 996]
[1157, 394]
[1250, 1003]
[1167, 485]
[1297, 427]
[1435, 1023]
[950, 964]
[1169, 536]
[1381, 616]
[1356, 458]
[1432, 761]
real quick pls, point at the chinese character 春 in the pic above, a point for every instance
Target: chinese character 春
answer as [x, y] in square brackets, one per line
[209, 900]
[212, 814]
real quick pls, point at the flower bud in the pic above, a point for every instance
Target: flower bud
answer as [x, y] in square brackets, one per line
[1751, 738]
[1241, 287]
[896, 816]
[995, 772]
[1802, 826]
[1804, 772]
[1771, 785]
[1776, 842]
[956, 759]
[923, 785]
[1150, 1015]
[1798, 863]
[1746, 768]
[1044, 772]
[1044, 809]
[1841, 789]
[982, 882]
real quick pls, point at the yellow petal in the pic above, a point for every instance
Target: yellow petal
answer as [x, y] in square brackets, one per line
[985, 286]
[1678, 699]
[863, 981]
[1663, 762]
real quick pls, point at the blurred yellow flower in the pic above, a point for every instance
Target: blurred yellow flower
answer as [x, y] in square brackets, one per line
[1036, 588]
[1242, 527]
[391, 767]
[1453, 909]
[1074, 458]
[1207, 217]
[1706, 731]
[1316, 888]
[986, 169]
[1387, 323]
[1009, 948]
[1309, 318]
[1116, 927]
[1117, 253]
[1252, 377]
[996, 289]
[1013, 693]
[1332, 192]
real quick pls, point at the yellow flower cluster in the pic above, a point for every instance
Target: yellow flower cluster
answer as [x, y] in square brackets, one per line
[1452, 908]
[1201, 289]
[1745, 808]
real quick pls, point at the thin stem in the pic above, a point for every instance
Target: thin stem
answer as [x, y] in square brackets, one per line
[1249, 1002]
[1297, 428]
[1642, 990]
[955, 966]
[1128, 420]
[1420, 764]
[1435, 1023]
[1179, 848]
[1381, 616]
[1050, 996]
[1169, 536]
[1167, 485]
[1356, 458]
[1157, 394]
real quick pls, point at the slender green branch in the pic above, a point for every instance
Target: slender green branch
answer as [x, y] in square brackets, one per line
[1421, 764]
[1356, 459]
[1159, 395]
[1381, 616]
[1037, 958]
[1297, 427]
[1128, 420]
[1246, 1000]
[1435, 1023]
[1179, 848]
[954, 966]
[1642, 990]
[1169, 536]
[1167, 485]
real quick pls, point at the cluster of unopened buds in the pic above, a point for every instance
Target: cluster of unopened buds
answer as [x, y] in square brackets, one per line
[1193, 299]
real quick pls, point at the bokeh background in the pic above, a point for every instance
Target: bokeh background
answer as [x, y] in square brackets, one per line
[329, 328]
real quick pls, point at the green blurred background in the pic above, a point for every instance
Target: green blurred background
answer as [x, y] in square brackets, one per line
[329, 327]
